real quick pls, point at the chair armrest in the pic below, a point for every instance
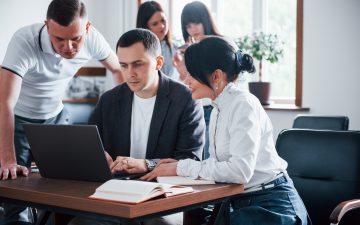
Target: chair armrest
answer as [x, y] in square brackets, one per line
[342, 208]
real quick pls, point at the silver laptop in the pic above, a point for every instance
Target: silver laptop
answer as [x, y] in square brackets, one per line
[70, 152]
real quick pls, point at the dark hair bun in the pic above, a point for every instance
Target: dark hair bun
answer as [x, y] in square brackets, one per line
[244, 62]
[247, 64]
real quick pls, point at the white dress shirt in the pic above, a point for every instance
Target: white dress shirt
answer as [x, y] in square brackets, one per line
[241, 149]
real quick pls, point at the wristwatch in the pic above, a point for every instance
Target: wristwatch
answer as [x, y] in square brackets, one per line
[150, 164]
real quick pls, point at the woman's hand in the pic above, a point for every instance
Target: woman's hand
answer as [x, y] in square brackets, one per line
[164, 168]
[169, 160]
[179, 64]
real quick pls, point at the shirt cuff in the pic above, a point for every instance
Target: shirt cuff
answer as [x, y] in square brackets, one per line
[188, 168]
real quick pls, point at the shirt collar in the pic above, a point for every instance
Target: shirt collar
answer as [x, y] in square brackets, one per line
[45, 42]
[223, 98]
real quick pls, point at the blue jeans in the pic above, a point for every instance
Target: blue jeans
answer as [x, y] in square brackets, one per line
[24, 158]
[207, 113]
[278, 205]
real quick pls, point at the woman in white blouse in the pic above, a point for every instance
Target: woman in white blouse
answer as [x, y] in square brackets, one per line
[242, 149]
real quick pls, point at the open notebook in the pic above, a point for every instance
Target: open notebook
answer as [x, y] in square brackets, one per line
[134, 192]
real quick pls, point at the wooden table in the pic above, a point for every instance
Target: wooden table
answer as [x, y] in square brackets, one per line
[71, 198]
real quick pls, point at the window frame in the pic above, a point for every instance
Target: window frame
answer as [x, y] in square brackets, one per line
[299, 51]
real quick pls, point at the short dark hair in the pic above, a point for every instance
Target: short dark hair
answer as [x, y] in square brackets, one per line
[145, 12]
[212, 53]
[146, 37]
[197, 12]
[64, 12]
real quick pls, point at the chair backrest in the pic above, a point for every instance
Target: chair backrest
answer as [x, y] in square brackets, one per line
[321, 122]
[325, 167]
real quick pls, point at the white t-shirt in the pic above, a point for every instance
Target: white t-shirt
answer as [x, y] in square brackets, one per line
[242, 148]
[45, 73]
[142, 111]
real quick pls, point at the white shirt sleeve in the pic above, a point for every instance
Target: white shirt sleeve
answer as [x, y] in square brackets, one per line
[19, 55]
[243, 147]
[98, 46]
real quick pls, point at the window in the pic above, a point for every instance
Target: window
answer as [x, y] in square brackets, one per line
[236, 18]
[282, 21]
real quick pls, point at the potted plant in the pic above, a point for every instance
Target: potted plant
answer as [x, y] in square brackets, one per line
[262, 47]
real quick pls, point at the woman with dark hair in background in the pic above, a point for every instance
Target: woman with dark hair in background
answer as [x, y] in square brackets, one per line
[196, 22]
[151, 16]
[242, 148]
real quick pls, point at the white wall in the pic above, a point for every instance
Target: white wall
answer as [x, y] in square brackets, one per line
[331, 73]
[15, 14]
[331, 58]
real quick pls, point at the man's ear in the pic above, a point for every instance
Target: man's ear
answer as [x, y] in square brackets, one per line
[88, 24]
[159, 62]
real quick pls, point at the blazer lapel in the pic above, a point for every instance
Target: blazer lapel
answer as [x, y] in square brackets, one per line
[159, 114]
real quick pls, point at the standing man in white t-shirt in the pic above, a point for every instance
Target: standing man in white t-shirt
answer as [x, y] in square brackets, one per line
[40, 61]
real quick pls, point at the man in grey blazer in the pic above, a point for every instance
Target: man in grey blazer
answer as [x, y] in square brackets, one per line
[150, 116]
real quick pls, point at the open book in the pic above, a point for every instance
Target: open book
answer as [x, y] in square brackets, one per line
[133, 192]
[179, 180]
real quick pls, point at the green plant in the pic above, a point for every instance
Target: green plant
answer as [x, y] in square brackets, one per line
[261, 46]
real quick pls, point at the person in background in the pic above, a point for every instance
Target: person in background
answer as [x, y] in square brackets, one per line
[196, 23]
[39, 62]
[149, 117]
[151, 16]
[242, 148]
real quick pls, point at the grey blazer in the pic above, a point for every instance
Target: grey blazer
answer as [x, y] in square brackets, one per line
[177, 128]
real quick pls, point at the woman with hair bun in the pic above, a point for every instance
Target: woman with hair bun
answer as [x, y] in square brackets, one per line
[242, 149]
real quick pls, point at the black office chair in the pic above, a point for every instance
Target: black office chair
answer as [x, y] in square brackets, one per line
[1, 210]
[41, 219]
[321, 122]
[325, 168]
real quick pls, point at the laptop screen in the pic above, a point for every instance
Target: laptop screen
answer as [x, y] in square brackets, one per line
[68, 151]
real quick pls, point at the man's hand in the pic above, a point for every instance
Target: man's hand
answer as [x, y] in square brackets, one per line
[165, 167]
[129, 165]
[109, 160]
[12, 169]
